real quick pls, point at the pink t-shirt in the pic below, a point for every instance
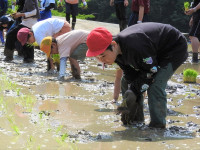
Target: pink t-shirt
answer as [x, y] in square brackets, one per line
[72, 1]
[68, 42]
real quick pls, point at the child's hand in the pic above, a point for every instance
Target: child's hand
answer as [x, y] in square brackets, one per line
[52, 71]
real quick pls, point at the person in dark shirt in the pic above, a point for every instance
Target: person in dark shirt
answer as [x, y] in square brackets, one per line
[148, 54]
[140, 10]
[194, 33]
[3, 9]
[6, 22]
[120, 8]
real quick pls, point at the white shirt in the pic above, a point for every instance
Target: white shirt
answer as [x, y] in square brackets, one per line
[28, 20]
[47, 27]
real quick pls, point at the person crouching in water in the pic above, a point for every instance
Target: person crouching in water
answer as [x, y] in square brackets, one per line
[148, 54]
[72, 46]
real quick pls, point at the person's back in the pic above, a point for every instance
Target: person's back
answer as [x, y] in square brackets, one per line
[69, 41]
[70, 45]
[47, 27]
[155, 37]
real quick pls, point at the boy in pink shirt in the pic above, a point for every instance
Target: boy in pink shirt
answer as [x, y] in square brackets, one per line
[70, 45]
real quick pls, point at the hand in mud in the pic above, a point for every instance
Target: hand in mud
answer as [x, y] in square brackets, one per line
[128, 108]
[115, 102]
[52, 71]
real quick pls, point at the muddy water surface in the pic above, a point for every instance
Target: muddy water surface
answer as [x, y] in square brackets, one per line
[39, 112]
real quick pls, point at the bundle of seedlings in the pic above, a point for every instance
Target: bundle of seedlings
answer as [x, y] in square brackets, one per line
[190, 75]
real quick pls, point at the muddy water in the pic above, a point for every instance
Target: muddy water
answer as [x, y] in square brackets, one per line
[49, 114]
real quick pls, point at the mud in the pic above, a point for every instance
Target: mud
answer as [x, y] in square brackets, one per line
[39, 112]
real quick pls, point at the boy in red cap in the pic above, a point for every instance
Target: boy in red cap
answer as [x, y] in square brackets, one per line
[148, 54]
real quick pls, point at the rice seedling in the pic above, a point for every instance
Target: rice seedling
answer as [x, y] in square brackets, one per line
[190, 75]
[59, 129]
[14, 126]
[18, 91]
[186, 6]
[29, 143]
[64, 136]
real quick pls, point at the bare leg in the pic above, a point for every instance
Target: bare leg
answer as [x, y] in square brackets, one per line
[195, 47]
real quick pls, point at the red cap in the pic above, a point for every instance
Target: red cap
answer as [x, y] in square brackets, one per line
[97, 41]
[22, 35]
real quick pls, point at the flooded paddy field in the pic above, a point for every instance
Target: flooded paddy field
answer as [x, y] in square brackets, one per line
[39, 112]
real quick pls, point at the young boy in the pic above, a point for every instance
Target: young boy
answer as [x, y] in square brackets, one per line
[48, 27]
[70, 45]
[148, 54]
[5, 24]
[29, 14]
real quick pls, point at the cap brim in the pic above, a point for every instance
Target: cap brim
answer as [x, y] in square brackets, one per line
[90, 53]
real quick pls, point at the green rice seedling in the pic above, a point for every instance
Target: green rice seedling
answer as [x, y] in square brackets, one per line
[186, 6]
[38, 148]
[40, 114]
[16, 129]
[190, 75]
[64, 136]
[56, 58]
[13, 126]
[29, 143]
[59, 129]
[18, 91]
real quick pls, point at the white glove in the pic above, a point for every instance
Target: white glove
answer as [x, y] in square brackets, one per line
[85, 3]
[42, 8]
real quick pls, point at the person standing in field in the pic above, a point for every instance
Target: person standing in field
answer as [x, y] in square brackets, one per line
[148, 54]
[140, 10]
[120, 9]
[72, 9]
[194, 33]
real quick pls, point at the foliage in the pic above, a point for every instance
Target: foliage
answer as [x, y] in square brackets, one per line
[165, 11]
[190, 75]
